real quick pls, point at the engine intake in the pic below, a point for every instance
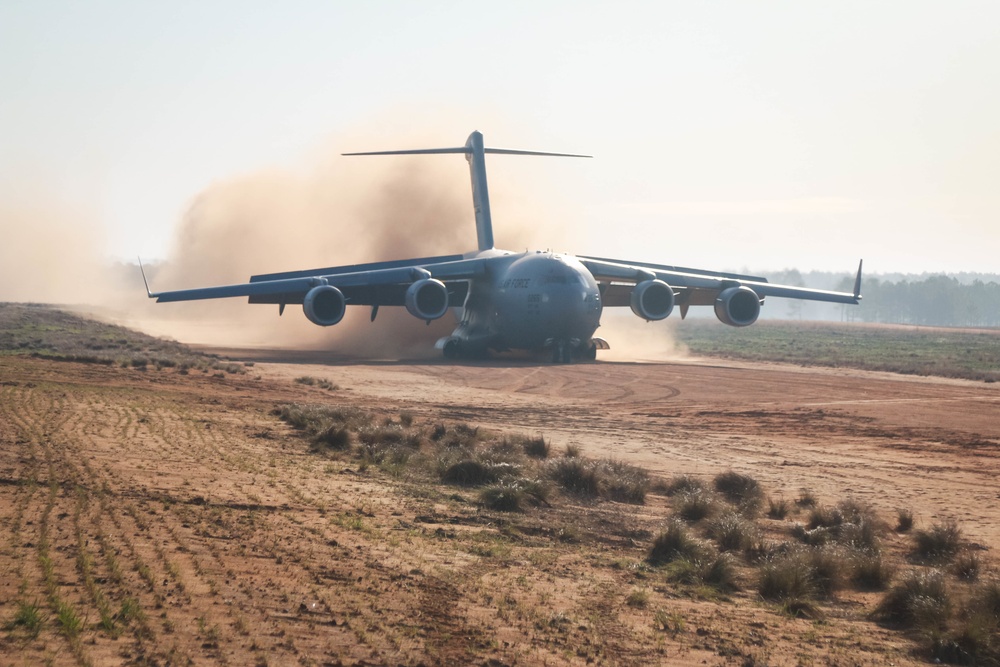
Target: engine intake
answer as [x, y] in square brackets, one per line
[652, 300]
[324, 305]
[737, 306]
[427, 299]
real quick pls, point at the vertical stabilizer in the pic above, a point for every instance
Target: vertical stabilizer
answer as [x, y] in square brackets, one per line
[476, 156]
[475, 153]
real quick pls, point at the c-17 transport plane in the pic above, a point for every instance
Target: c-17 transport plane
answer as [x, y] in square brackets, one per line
[536, 301]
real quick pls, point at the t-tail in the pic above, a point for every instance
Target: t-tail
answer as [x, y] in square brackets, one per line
[475, 153]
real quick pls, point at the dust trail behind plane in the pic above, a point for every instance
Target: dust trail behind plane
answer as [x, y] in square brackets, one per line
[332, 211]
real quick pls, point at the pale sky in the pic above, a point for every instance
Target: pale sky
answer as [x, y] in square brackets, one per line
[725, 134]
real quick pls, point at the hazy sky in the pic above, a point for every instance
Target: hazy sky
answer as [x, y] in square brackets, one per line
[725, 134]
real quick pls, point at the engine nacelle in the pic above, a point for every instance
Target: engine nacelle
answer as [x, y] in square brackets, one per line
[737, 306]
[427, 299]
[324, 305]
[652, 300]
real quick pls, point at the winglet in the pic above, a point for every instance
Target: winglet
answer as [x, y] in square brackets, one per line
[857, 281]
[144, 281]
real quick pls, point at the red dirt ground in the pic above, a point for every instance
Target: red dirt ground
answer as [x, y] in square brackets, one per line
[239, 546]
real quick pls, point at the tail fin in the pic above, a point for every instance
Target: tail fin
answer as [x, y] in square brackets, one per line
[475, 153]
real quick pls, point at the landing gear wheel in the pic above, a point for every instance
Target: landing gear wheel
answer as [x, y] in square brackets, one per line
[452, 349]
[589, 354]
[561, 353]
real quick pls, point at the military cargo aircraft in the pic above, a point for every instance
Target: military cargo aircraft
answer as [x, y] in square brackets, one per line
[535, 301]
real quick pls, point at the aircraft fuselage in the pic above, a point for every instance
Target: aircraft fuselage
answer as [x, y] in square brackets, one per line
[530, 301]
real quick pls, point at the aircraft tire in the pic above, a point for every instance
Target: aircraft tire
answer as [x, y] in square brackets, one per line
[561, 353]
[452, 349]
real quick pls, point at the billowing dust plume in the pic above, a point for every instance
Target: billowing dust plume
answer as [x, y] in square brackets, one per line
[343, 211]
[48, 253]
[634, 339]
[335, 211]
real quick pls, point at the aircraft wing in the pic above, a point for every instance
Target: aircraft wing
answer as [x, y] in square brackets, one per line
[695, 287]
[382, 283]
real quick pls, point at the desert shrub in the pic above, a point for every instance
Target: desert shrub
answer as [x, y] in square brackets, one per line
[684, 484]
[575, 475]
[536, 447]
[733, 532]
[863, 535]
[504, 497]
[638, 598]
[720, 572]
[314, 418]
[850, 523]
[470, 472]
[695, 505]
[571, 452]
[815, 537]
[684, 571]
[855, 511]
[739, 489]
[514, 495]
[869, 571]
[966, 566]
[606, 478]
[938, 544]
[974, 641]
[824, 517]
[904, 520]
[787, 578]
[334, 436]
[806, 499]
[829, 566]
[676, 543]
[459, 436]
[777, 508]
[919, 600]
[624, 482]
[388, 434]
[985, 598]
[507, 449]
[406, 418]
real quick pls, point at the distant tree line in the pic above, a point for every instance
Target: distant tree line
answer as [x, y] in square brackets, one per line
[933, 301]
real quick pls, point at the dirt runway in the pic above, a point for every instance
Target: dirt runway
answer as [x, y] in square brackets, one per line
[896, 441]
[156, 517]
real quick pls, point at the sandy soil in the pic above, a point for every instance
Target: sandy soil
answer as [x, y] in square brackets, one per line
[201, 530]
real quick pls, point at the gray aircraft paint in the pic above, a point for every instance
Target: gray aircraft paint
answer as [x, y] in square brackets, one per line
[526, 301]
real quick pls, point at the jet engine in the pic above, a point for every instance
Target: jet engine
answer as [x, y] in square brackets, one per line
[427, 299]
[324, 305]
[652, 300]
[737, 306]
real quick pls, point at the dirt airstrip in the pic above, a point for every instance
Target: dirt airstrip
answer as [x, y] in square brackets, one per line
[183, 523]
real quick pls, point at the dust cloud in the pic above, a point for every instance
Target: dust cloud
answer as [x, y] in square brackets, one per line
[332, 211]
[339, 211]
[634, 339]
[48, 253]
